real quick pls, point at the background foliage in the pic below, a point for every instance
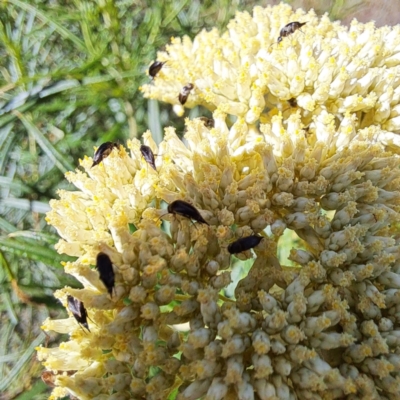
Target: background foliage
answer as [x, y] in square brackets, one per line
[69, 77]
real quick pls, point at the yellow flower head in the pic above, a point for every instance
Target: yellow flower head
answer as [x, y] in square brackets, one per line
[313, 150]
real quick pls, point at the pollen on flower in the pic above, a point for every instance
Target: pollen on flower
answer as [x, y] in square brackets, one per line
[302, 143]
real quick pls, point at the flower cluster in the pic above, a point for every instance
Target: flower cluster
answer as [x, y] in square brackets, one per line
[313, 149]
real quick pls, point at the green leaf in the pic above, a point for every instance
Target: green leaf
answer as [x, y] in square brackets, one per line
[35, 235]
[154, 120]
[37, 388]
[65, 33]
[61, 162]
[6, 226]
[46, 255]
[5, 382]
[13, 184]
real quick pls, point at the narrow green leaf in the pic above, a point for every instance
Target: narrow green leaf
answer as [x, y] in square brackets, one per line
[8, 304]
[24, 204]
[12, 184]
[6, 226]
[4, 383]
[47, 255]
[7, 139]
[58, 159]
[65, 33]
[37, 388]
[6, 333]
[35, 235]
[154, 120]
[174, 12]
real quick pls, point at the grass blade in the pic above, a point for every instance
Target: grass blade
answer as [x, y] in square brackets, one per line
[44, 143]
[4, 383]
[46, 255]
[65, 33]
[154, 121]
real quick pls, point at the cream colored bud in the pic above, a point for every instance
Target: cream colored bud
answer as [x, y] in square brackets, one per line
[369, 328]
[299, 354]
[332, 340]
[297, 286]
[259, 223]
[332, 259]
[282, 199]
[301, 257]
[217, 390]
[277, 347]
[237, 344]
[213, 350]
[196, 322]
[282, 389]
[392, 338]
[186, 307]
[212, 267]
[390, 385]
[349, 370]
[268, 303]
[244, 215]
[282, 365]
[381, 368]
[209, 310]
[190, 286]
[394, 359]
[174, 341]
[357, 353]
[390, 279]
[119, 382]
[296, 220]
[261, 342]
[150, 311]
[275, 322]
[190, 352]
[315, 300]
[265, 390]
[179, 260]
[262, 366]
[297, 308]
[315, 325]
[234, 370]
[115, 367]
[221, 281]
[278, 227]
[225, 330]
[150, 334]
[385, 325]
[292, 334]
[332, 201]
[195, 390]
[165, 294]
[205, 368]
[200, 338]
[245, 390]
[226, 178]
[392, 297]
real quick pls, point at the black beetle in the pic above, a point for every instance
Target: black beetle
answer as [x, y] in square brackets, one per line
[186, 210]
[78, 311]
[148, 155]
[106, 272]
[245, 243]
[103, 151]
[155, 68]
[208, 122]
[289, 29]
[183, 95]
